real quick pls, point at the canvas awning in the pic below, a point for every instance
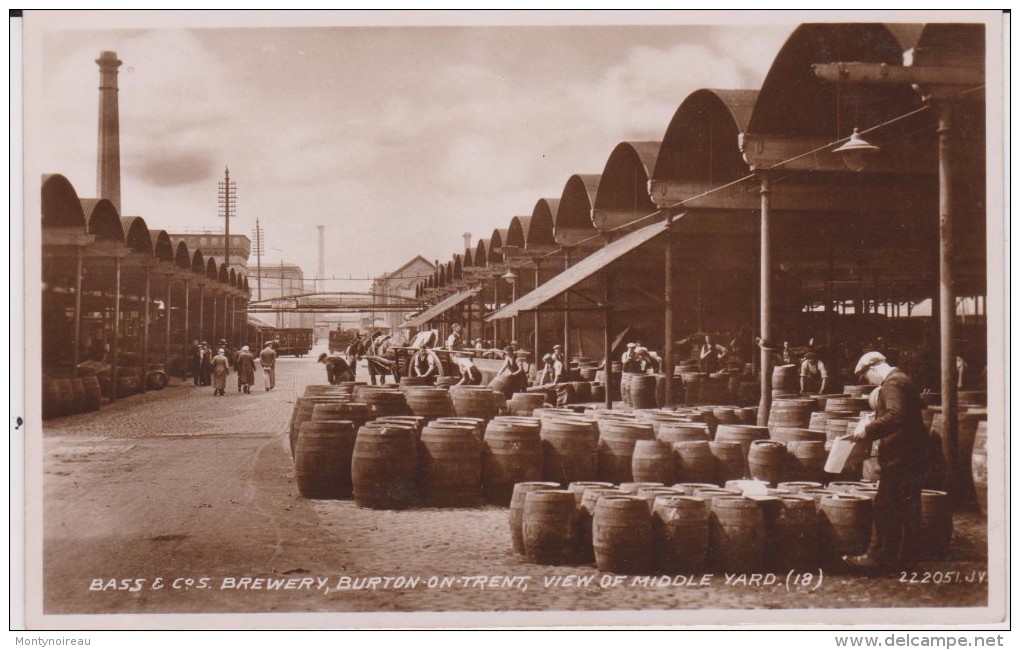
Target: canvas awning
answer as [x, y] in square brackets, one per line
[437, 309]
[579, 272]
[259, 323]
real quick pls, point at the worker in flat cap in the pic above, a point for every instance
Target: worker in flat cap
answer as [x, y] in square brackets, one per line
[901, 436]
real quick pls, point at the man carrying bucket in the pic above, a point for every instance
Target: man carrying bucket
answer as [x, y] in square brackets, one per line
[901, 454]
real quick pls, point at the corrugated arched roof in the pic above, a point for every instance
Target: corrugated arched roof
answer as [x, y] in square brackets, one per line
[794, 102]
[61, 207]
[102, 220]
[701, 142]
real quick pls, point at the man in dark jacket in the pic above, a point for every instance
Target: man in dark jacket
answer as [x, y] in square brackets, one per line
[337, 368]
[901, 455]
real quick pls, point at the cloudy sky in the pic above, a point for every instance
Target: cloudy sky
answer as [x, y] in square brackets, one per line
[397, 139]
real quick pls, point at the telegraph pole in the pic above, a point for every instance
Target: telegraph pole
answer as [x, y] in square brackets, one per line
[259, 249]
[228, 206]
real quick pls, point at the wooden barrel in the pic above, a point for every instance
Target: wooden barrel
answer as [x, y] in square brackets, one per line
[695, 462]
[674, 432]
[569, 451]
[836, 428]
[407, 382]
[857, 390]
[505, 385]
[806, 460]
[77, 392]
[688, 489]
[477, 425]
[730, 460]
[616, 450]
[714, 390]
[323, 457]
[653, 462]
[357, 412]
[429, 402]
[679, 534]
[785, 378]
[622, 535]
[737, 535]
[587, 373]
[582, 391]
[385, 402]
[549, 527]
[93, 394]
[795, 487]
[818, 421]
[585, 518]
[846, 527]
[598, 393]
[795, 536]
[709, 494]
[743, 434]
[936, 524]
[473, 402]
[525, 403]
[447, 381]
[794, 413]
[449, 465]
[384, 468]
[633, 487]
[846, 487]
[966, 428]
[127, 383]
[516, 514]
[302, 413]
[578, 488]
[767, 461]
[54, 402]
[642, 391]
[511, 453]
[658, 419]
[315, 390]
[649, 494]
[725, 415]
[746, 415]
[794, 434]
[847, 403]
[692, 387]
[979, 466]
[817, 494]
[416, 421]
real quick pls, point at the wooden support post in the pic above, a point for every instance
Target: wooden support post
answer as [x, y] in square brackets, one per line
[608, 344]
[187, 331]
[947, 307]
[76, 357]
[537, 351]
[667, 362]
[145, 328]
[201, 314]
[115, 361]
[765, 297]
[566, 316]
[169, 312]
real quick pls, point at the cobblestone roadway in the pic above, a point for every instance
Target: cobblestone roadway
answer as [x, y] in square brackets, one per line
[179, 484]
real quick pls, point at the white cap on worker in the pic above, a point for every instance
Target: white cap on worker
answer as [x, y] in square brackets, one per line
[868, 360]
[632, 345]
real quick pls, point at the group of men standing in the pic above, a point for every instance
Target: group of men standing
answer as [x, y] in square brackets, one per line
[212, 369]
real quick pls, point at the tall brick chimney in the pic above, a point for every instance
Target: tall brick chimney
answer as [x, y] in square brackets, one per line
[467, 240]
[108, 165]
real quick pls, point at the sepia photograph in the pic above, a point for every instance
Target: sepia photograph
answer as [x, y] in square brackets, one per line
[569, 319]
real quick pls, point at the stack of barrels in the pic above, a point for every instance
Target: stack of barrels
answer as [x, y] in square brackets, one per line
[67, 396]
[641, 528]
